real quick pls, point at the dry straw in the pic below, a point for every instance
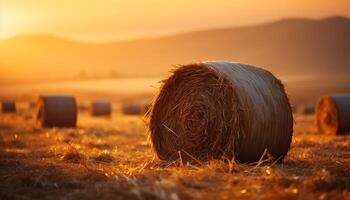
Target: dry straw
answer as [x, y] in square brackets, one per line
[56, 111]
[101, 108]
[333, 114]
[8, 107]
[215, 110]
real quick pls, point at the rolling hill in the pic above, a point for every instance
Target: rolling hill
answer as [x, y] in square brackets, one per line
[286, 47]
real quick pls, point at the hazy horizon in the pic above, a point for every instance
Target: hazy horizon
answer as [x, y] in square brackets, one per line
[295, 51]
[102, 21]
[169, 34]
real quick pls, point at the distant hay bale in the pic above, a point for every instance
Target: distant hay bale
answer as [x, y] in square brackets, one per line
[306, 109]
[333, 114]
[101, 108]
[31, 104]
[132, 109]
[8, 107]
[216, 110]
[56, 111]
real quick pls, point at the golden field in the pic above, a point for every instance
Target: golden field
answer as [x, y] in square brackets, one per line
[98, 56]
[111, 158]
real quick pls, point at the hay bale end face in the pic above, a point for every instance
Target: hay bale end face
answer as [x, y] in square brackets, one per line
[8, 107]
[215, 110]
[56, 111]
[333, 114]
[101, 108]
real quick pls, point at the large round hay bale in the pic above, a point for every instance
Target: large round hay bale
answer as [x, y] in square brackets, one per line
[216, 110]
[8, 107]
[56, 111]
[333, 114]
[132, 109]
[101, 108]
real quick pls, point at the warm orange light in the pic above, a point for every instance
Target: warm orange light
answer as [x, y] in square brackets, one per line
[115, 20]
[8, 22]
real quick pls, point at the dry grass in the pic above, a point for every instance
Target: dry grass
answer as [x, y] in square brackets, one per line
[110, 159]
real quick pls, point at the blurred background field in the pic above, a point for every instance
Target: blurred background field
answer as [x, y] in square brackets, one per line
[310, 56]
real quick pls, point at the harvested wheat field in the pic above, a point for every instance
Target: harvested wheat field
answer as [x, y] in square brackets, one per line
[110, 158]
[181, 100]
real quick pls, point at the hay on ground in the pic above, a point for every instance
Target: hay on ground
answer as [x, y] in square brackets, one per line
[71, 154]
[8, 107]
[333, 114]
[56, 111]
[101, 108]
[216, 110]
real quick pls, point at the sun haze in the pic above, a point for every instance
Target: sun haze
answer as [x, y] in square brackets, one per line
[108, 20]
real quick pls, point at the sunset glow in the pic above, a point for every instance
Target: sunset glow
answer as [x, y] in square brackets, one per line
[118, 20]
[9, 22]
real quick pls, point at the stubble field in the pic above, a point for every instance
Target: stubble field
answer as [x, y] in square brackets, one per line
[110, 158]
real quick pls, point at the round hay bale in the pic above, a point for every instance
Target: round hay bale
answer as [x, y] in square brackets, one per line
[56, 111]
[101, 108]
[215, 110]
[132, 109]
[307, 109]
[333, 114]
[8, 107]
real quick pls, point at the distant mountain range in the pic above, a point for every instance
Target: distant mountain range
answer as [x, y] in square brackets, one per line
[286, 47]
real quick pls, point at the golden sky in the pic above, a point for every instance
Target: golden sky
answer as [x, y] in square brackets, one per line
[104, 20]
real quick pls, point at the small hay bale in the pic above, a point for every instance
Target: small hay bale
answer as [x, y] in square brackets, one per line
[333, 114]
[132, 109]
[307, 109]
[56, 111]
[101, 108]
[8, 107]
[31, 104]
[216, 110]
